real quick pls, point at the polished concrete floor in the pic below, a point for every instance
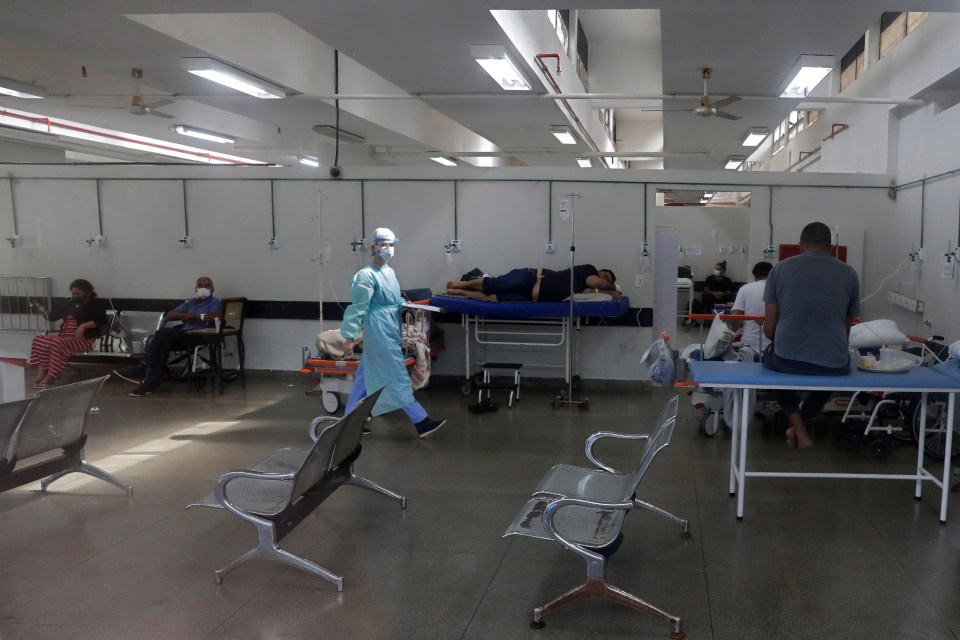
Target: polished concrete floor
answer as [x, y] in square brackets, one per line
[811, 559]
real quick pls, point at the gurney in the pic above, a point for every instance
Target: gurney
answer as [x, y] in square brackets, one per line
[334, 376]
[524, 324]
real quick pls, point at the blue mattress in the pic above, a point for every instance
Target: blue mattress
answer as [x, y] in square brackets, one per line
[519, 310]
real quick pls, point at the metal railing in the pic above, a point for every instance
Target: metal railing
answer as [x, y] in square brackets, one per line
[16, 292]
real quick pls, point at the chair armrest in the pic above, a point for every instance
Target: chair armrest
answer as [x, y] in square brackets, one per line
[592, 440]
[314, 430]
[220, 490]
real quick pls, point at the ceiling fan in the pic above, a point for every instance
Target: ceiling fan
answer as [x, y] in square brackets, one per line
[709, 108]
[138, 106]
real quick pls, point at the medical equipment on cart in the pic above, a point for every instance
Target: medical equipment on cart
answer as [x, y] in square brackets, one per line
[334, 377]
[710, 405]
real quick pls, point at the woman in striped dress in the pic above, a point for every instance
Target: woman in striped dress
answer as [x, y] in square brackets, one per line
[83, 315]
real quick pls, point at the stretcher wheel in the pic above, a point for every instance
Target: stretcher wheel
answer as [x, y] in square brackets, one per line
[710, 424]
[881, 448]
[585, 404]
[465, 387]
[564, 394]
[331, 402]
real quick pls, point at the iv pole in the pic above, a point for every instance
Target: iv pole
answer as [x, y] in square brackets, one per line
[567, 212]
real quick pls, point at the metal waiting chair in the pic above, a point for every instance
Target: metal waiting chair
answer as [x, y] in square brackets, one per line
[606, 484]
[591, 528]
[230, 325]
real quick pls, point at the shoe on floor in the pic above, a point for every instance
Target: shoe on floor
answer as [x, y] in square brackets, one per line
[131, 374]
[366, 431]
[428, 427]
[140, 391]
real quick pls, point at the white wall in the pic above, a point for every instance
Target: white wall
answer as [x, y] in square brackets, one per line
[502, 223]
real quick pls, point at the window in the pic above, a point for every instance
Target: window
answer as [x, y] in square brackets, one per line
[560, 19]
[852, 64]
[895, 26]
[583, 54]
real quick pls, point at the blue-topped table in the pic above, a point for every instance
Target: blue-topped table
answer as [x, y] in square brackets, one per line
[751, 375]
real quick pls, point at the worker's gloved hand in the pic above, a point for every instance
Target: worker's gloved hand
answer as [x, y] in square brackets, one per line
[348, 346]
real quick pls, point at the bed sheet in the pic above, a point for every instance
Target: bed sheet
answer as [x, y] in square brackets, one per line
[520, 310]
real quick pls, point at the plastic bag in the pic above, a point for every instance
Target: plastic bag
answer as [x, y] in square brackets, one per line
[659, 361]
[718, 339]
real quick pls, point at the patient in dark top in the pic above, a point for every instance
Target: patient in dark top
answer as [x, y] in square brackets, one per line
[536, 285]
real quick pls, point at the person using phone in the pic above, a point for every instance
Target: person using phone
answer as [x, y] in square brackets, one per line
[83, 315]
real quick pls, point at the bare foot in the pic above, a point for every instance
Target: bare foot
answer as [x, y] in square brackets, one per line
[800, 434]
[455, 284]
[791, 438]
[460, 293]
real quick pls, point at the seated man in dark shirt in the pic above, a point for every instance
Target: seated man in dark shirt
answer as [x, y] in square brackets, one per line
[536, 285]
[718, 288]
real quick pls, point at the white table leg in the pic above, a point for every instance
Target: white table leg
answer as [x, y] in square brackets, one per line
[948, 451]
[733, 443]
[744, 421]
[922, 439]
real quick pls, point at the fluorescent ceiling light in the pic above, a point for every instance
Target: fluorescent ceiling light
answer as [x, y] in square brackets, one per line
[20, 90]
[585, 163]
[563, 134]
[310, 161]
[345, 136]
[805, 75]
[447, 162]
[230, 77]
[203, 135]
[755, 136]
[70, 131]
[734, 162]
[493, 58]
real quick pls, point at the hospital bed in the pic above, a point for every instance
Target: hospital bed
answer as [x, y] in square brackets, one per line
[525, 324]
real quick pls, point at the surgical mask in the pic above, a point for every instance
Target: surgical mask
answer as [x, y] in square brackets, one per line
[203, 293]
[385, 253]
[717, 273]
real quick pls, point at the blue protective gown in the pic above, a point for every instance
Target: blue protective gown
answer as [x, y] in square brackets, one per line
[375, 308]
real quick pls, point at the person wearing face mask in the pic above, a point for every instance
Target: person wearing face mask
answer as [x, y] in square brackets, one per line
[198, 312]
[717, 289]
[83, 315]
[375, 305]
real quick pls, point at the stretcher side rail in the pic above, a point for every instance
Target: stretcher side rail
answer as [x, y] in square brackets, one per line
[588, 520]
[555, 314]
[56, 418]
[279, 492]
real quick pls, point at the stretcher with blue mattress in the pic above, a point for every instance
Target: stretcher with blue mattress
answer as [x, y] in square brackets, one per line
[524, 324]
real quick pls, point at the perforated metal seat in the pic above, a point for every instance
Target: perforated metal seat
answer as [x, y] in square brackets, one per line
[591, 527]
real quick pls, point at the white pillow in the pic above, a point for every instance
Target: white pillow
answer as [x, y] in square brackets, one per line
[876, 333]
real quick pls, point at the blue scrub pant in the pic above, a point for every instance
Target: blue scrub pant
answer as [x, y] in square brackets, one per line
[414, 410]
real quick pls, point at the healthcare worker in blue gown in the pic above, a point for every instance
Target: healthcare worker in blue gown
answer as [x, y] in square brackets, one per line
[375, 311]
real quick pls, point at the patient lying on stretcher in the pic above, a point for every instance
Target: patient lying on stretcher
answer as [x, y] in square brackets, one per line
[536, 285]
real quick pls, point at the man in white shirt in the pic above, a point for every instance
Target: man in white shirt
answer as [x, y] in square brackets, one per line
[749, 302]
